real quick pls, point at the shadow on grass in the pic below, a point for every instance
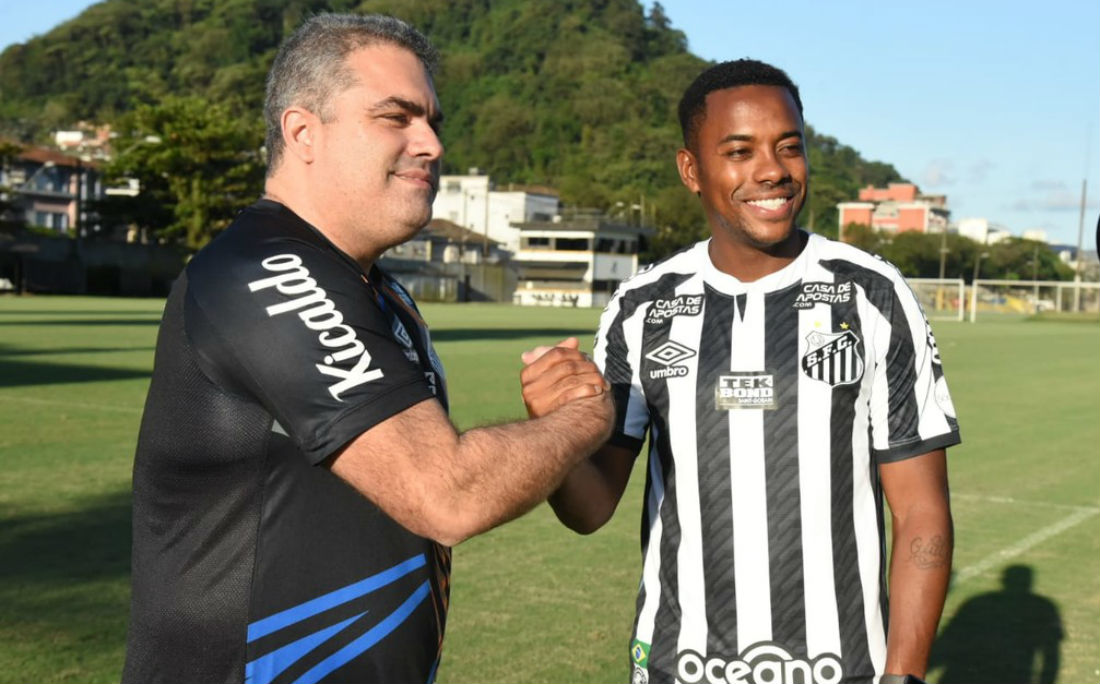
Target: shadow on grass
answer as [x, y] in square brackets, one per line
[89, 543]
[28, 373]
[143, 320]
[1011, 635]
[551, 334]
[64, 592]
[78, 312]
[70, 350]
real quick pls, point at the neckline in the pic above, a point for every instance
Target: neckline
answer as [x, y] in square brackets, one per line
[777, 280]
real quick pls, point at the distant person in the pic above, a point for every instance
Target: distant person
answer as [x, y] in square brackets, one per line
[1011, 635]
[297, 483]
[786, 382]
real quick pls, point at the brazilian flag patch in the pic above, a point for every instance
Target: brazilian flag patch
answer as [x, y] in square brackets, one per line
[639, 653]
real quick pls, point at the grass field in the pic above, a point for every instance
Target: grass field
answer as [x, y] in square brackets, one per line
[532, 602]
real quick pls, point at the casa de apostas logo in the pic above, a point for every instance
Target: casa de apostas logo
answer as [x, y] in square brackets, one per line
[823, 293]
[663, 310]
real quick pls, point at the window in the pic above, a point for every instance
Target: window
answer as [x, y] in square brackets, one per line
[573, 244]
[535, 243]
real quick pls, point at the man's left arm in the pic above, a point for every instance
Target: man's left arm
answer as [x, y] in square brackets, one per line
[920, 562]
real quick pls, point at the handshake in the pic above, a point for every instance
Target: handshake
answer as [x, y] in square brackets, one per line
[556, 376]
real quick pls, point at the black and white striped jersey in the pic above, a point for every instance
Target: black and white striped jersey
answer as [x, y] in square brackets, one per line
[769, 405]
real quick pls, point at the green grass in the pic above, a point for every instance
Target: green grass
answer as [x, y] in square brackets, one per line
[532, 602]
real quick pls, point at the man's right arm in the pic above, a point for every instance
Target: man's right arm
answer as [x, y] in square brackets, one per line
[591, 491]
[448, 487]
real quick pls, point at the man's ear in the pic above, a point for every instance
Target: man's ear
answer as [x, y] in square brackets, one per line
[299, 132]
[689, 169]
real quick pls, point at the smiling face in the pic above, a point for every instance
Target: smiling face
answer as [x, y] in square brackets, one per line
[748, 166]
[378, 152]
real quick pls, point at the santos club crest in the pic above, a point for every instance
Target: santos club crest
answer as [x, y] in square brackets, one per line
[833, 357]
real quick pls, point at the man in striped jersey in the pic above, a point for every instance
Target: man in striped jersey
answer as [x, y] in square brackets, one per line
[786, 382]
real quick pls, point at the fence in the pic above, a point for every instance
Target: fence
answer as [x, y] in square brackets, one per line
[36, 263]
[1032, 296]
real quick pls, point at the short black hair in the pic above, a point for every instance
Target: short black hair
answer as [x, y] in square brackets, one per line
[739, 72]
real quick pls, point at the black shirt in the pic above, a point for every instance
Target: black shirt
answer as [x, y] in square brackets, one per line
[251, 560]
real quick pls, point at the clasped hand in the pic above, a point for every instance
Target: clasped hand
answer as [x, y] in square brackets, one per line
[555, 376]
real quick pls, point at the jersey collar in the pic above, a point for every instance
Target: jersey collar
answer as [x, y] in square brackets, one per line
[784, 277]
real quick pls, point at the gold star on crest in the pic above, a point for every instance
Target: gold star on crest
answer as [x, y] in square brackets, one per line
[843, 326]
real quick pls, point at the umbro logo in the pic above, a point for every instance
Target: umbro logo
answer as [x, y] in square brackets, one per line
[666, 355]
[669, 353]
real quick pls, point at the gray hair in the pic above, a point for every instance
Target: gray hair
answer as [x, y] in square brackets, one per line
[310, 67]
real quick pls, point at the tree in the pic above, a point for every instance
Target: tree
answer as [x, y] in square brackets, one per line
[197, 165]
[579, 96]
[1020, 259]
[917, 255]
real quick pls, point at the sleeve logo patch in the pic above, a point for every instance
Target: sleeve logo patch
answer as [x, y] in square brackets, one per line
[823, 293]
[833, 358]
[943, 398]
[320, 315]
[662, 310]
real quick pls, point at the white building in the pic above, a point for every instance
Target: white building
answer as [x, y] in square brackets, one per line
[574, 261]
[472, 202]
[1036, 234]
[982, 231]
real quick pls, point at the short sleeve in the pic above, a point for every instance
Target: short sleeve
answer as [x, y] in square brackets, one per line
[911, 408]
[615, 357]
[299, 329]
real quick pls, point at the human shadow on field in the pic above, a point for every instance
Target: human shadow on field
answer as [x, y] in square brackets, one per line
[1001, 637]
[17, 373]
[551, 334]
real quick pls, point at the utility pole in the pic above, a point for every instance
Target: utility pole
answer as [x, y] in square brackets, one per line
[974, 285]
[943, 265]
[1080, 244]
[485, 234]
[1035, 274]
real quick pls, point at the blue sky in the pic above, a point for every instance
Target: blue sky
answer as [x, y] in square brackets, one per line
[995, 104]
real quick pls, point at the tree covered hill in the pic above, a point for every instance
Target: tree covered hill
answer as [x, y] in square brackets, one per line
[579, 95]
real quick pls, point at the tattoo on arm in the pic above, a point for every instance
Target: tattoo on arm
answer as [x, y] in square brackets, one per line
[930, 554]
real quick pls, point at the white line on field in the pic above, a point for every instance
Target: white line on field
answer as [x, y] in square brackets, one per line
[1021, 502]
[71, 404]
[1024, 544]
